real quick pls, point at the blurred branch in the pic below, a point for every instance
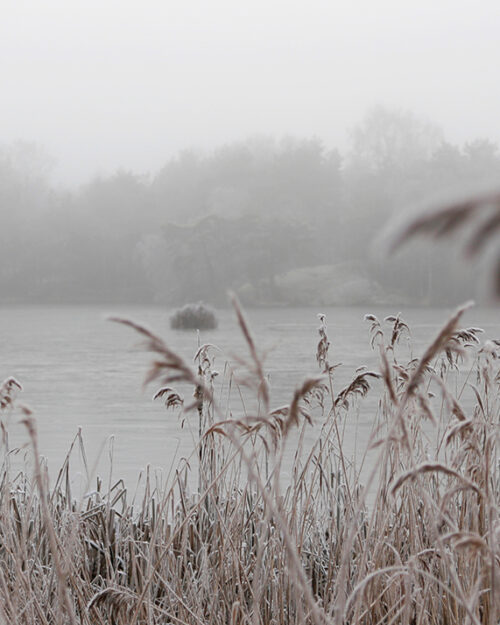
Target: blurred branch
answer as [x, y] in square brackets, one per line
[479, 214]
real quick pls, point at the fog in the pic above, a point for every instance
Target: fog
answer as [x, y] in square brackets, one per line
[165, 152]
[103, 85]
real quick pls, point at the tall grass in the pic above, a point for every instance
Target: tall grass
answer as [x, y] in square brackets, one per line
[261, 540]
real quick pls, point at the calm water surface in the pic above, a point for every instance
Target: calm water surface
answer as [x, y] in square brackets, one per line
[80, 370]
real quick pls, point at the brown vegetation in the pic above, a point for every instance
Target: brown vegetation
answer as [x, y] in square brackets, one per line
[418, 543]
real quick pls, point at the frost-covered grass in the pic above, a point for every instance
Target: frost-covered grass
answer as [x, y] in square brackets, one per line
[248, 547]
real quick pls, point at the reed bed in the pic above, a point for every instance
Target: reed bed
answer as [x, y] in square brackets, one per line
[417, 543]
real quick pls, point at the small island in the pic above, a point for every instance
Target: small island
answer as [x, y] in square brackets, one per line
[194, 317]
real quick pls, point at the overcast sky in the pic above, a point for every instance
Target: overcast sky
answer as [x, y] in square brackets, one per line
[104, 84]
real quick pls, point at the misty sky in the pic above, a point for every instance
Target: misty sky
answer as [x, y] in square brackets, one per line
[103, 84]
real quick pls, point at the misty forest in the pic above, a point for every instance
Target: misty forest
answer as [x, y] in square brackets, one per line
[300, 223]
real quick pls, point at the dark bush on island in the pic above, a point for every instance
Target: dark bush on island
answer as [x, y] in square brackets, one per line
[194, 317]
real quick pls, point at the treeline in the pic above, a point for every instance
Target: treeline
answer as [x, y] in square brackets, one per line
[284, 221]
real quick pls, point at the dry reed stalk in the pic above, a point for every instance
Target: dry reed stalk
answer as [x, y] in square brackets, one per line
[60, 568]
[256, 365]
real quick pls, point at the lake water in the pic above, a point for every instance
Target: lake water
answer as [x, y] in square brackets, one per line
[79, 369]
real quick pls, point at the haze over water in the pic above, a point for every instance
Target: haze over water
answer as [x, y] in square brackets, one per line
[80, 370]
[162, 153]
